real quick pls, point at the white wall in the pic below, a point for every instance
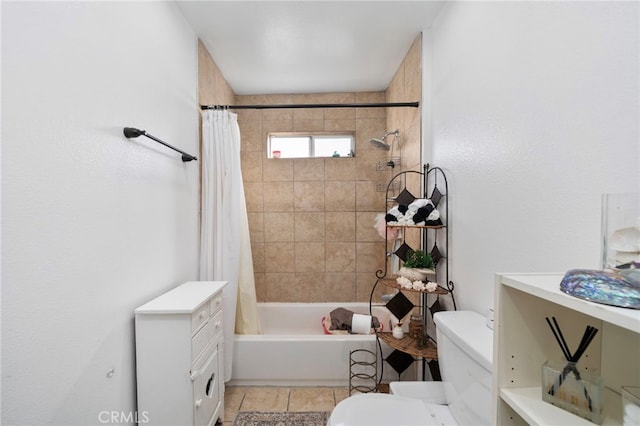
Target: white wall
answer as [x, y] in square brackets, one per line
[93, 224]
[532, 108]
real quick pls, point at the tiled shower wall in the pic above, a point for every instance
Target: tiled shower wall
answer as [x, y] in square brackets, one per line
[406, 86]
[311, 220]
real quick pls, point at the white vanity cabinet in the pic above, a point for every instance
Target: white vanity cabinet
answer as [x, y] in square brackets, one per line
[179, 356]
[523, 341]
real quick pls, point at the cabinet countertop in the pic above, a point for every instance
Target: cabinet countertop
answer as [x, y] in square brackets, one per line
[184, 299]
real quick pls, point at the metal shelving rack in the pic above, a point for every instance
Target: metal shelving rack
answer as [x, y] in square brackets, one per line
[434, 239]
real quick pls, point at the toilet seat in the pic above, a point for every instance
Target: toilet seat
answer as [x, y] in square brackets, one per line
[378, 409]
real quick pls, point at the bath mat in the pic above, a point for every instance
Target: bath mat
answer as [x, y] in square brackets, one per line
[259, 418]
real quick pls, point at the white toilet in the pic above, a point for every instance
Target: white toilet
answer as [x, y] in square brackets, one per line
[465, 348]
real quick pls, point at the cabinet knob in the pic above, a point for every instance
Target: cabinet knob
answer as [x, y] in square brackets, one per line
[198, 403]
[218, 300]
[203, 314]
[218, 323]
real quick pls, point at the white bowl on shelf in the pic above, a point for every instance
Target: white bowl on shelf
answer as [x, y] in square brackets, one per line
[415, 274]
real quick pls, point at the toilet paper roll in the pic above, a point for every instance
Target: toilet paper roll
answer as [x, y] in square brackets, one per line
[361, 324]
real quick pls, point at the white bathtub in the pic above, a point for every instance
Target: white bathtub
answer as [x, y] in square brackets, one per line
[294, 351]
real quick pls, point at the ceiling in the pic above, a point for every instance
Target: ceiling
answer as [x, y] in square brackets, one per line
[276, 47]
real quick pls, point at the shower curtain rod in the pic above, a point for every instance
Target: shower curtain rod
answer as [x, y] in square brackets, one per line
[373, 105]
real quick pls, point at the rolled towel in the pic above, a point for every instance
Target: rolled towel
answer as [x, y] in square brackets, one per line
[418, 203]
[341, 319]
[425, 211]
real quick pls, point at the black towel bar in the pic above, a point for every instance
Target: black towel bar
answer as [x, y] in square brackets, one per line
[131, 132]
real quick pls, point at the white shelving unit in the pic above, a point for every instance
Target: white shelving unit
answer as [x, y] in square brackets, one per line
[524, 341]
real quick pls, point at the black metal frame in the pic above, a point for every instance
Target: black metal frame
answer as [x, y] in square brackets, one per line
[426, 173]
[300, 106]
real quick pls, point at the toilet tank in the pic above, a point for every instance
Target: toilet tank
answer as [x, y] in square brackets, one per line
[465, 357]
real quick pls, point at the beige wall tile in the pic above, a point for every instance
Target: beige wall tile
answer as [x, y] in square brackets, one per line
[257, 253]
[364, 227]
[369, 98]
[366, 165]
[308, 114]
[367, 198]
[280, 287]
[340, 196]
[412, 147]
[261, 289]
[339, 125]
[251, 135]
[308, 196]
[340, 168]
[340, 256]
[276, 126]
[309, 226]
[256, 227]
[364, 285]
[370, 257]
[277, 169]
[278, 196]
[306, 125]
[308, 169]
[311, 286]
[368, 128]
[283, 114]
[340, 114]
[254, 196]
[340, 226]
[279, 257]
[251, 164]
[309, 257]
[278, 227]
[341, 287]
[212, 87]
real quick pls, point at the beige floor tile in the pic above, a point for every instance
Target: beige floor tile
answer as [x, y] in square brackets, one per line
[311, 399]
[233, 396]
[340, 394]
[265, 399]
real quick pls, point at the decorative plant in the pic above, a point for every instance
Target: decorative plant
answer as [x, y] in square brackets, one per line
[418, 259]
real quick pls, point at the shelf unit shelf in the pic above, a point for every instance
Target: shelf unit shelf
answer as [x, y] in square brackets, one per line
[530, 406]
[523, 342]
[391, 282]
[390, 225]
[409, 345]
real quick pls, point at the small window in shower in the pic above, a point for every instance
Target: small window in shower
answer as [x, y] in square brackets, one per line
[310, 145]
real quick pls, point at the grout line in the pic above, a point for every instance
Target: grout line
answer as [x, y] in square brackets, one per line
[288, 398]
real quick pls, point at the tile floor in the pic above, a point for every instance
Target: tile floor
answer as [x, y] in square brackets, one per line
[273, 398]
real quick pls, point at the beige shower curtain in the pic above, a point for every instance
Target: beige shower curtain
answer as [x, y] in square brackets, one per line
[247, 321]
[225, 248]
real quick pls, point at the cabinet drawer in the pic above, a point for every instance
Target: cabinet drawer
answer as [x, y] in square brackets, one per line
[215, 304]
[216, 325]
[200, 341]
[199, 317]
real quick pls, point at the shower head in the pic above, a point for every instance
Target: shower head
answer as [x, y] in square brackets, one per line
[380, 142]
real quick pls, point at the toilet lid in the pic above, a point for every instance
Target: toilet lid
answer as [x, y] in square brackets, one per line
[377, 409]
